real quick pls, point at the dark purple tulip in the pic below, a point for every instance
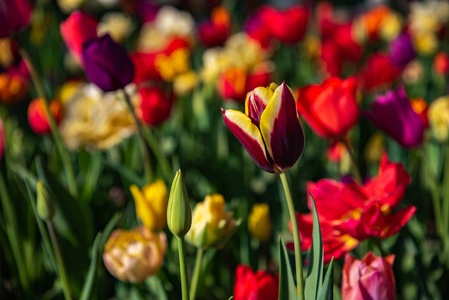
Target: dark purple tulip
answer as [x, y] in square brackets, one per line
[14, 16]
[394, 114]
[401, 50]
[107, 64]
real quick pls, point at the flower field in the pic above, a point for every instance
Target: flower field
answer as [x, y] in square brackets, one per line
[245, 150]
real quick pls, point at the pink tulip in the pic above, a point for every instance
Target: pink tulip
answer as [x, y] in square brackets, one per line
[371, 278]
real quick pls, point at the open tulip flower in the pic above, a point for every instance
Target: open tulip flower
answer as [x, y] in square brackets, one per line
[269, 129]
[350, 213]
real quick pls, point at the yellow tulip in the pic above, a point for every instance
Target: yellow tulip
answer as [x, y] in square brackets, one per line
[151, 204]
[259, 222]
[211, 224]
[134, 255]
[439, 118]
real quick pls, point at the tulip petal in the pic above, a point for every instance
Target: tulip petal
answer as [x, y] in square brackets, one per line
[281, 130]
[256, 101]
[249, 135]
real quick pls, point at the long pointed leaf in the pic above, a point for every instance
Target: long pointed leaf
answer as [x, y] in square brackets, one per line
[287, 289]
[315, 270]
[327, 291]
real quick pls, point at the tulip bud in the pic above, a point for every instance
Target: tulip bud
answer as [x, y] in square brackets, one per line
[179, 216]
[441, 64]
[155, 105]
[45, 206]
[259, 222]
[211, 224]
[134, 255]
[151, 204]
[38, 117]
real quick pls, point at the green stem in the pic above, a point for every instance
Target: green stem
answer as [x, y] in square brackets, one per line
[296, 238]
[196, 273]
[161, 159]
[146, 153]
[445, 190]
[183, 269]
[354, 167]
[71, 179]
[60, 261]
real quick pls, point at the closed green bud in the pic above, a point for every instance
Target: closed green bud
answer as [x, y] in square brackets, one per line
[179, 216]
[45, 206]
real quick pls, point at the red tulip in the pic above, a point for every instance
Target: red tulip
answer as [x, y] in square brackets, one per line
[255, 286]
[371, 278]
[350, 213]
[287, 26]
[2, 140]
[379, 71]
[155, 105]
[215, 32]
[77, 29]
[38, 117]
[14, 16]
[331, 108]
[441, 64]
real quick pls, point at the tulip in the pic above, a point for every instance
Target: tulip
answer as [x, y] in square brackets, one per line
[256, 30]
[379, 71]
[46, 207]
[350, 213]
[259, 222]
[14, 83]
[215, 32]
[14, 16]
[371, 278]
[331, 109]
[401, 50]
[132, 256]
[38, 118]
[179, 215]
[211, 224]
[439, 118]
[2, 140]
[269, 129]
[287, 26]
[77, 29]
[394, 114]
[441, 64]
[151, 204]
[155, 106]
[420, 107]
[255, 286]
[107, 64]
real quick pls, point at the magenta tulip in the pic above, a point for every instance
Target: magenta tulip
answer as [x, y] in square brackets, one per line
[107, 64]
[394, 114]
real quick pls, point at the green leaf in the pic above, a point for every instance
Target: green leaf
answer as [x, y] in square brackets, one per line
[315, 270]
[327, 291]
[287, 288]
[97, 250]
[92, 176]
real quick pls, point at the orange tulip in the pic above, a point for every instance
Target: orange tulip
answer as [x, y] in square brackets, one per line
[38, 118]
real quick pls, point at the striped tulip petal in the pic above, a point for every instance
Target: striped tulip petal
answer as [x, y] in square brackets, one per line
[257, 100]
[249, 136]
[281, 130]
